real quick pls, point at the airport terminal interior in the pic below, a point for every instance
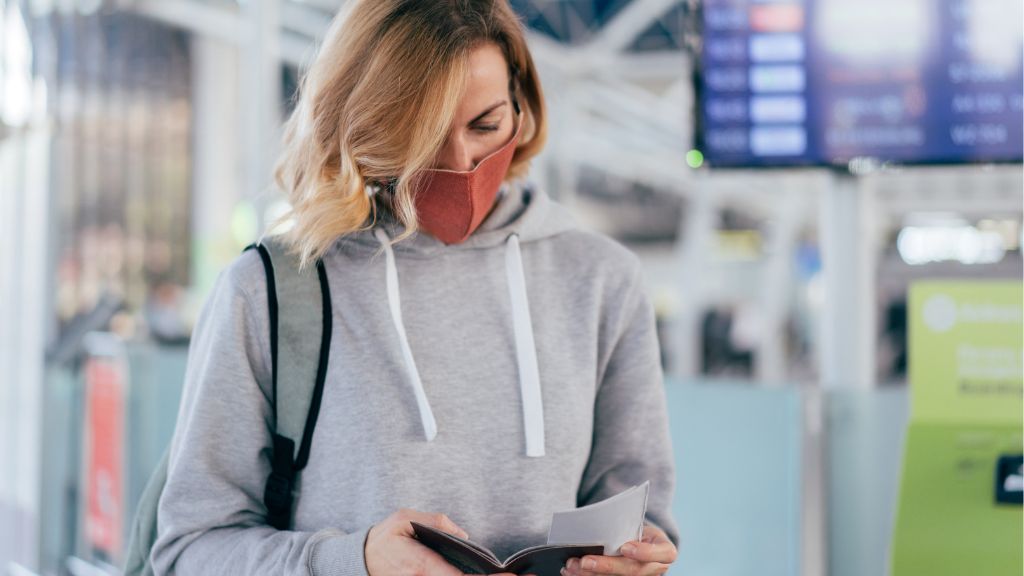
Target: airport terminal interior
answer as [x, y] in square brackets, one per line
[825, 196]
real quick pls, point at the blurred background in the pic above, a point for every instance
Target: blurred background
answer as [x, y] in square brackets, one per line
[787, 170]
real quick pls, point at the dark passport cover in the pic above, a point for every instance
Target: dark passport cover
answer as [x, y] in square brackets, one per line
[544, 560]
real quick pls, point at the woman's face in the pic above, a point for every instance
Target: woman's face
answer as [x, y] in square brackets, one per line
[485, 119]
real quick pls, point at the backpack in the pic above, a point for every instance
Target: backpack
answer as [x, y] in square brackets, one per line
[301, 366]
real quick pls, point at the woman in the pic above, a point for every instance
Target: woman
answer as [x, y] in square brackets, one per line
[496, 365]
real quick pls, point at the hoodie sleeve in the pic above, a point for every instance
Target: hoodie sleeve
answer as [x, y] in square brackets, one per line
[211, 517]
[631, 442]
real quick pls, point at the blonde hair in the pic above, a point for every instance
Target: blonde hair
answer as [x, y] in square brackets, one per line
[377, 104]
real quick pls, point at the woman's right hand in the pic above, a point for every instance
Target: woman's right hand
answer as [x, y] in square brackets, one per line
[392, 550]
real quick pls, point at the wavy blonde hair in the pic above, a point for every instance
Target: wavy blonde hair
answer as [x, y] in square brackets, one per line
[377, 104]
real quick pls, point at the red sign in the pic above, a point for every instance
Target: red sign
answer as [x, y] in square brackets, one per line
[104, 443]
[777, 18]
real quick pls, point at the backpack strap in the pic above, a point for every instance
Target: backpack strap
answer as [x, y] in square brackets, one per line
[300, 340]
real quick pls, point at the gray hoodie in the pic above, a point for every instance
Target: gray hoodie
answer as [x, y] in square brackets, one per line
[497, 381]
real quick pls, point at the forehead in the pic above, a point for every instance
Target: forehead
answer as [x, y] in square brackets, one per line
[488, 76]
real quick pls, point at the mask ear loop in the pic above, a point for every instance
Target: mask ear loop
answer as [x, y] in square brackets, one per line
[513, 85]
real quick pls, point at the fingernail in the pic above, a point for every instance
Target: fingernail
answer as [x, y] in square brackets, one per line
[572, 565]
[629, 549]
[589, 564]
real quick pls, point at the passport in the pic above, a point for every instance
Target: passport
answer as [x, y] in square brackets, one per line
[596, 529]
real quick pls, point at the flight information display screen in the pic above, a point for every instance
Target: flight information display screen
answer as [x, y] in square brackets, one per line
[820, 82]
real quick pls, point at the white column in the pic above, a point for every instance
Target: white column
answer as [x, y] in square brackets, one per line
[849, 243]
[848, 264]
[260, 99]
[770, 357]
[217, 173]
[696, 241]
[813, 476]
[24, 306]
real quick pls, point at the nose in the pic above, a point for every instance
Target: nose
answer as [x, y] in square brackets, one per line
[456, 155]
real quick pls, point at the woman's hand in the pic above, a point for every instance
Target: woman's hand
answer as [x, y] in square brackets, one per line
[651, 555]
[392, 550]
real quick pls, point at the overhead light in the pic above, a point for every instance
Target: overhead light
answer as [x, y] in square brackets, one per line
[964, 244]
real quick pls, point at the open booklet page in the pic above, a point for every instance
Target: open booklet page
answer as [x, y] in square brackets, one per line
[612, 521]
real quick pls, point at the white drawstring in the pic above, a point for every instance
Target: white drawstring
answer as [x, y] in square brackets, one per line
[526, 350]
[394, 301]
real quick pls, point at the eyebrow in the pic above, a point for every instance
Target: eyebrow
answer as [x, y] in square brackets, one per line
[489, 110]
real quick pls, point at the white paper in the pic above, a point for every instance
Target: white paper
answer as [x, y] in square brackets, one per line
[611, 522]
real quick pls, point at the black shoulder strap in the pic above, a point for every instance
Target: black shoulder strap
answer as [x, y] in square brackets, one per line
[278, 495]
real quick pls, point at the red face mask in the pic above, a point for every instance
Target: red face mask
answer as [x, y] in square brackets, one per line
[451, 205]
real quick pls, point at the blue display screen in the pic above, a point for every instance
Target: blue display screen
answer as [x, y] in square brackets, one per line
[820, 82]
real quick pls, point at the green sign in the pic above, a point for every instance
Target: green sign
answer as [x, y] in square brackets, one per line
[948, 523]
[965, 352]
[966, 403]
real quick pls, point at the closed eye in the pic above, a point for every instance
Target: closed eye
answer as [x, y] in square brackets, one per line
[490, 109]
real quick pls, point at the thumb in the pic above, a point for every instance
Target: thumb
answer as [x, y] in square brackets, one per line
[445, 524]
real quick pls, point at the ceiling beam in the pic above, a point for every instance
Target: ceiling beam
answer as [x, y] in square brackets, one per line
[626, 26]
[216, 22]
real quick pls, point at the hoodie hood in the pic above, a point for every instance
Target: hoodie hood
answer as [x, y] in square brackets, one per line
[520, 215]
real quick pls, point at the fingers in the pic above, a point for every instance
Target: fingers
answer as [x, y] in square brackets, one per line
[654, 546]
[663, 552]
[393, 550]
[443, 522]
[435, 520]
[651, 555]
[653, 534]
[612, 565]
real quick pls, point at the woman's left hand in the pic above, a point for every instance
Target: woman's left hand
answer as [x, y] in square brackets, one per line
[651, 555]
